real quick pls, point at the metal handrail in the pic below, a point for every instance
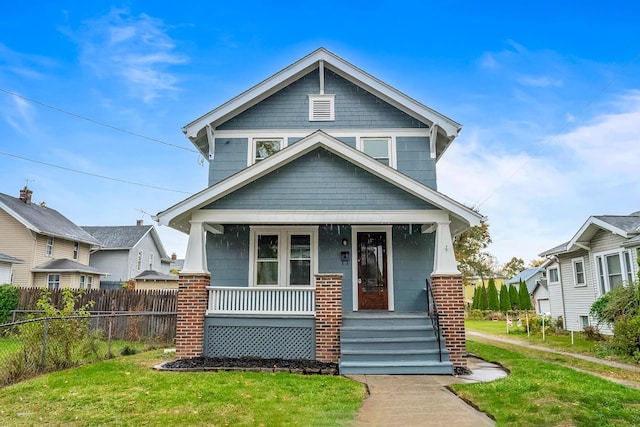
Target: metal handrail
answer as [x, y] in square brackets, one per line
[432, 310]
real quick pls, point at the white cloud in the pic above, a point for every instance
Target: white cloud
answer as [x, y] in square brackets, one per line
[135, 49]
[19, 114]
[539, 81]
[536, 198]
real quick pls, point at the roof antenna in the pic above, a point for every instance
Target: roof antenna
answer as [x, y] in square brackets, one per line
[27, 181]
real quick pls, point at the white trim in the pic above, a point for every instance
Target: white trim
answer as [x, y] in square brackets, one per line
[251, 152]
[354, 263]
[606, 286]
[336, 133]
[316, 115]
[391, 146]
[284, 234]
[556, 267]
[574, 261]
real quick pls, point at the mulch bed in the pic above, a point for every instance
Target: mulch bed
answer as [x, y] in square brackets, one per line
[251, 364]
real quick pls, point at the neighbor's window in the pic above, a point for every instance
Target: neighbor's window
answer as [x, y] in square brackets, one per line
[378, 148]
[139, 262]
[263, 148]
[89, 282]
[53, 281]
[82, 281]
[49, 246]
[283, 256]
[578, 272]
[151, 261]
[76, 250]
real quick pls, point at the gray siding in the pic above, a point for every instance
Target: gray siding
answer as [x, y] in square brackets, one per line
[230, 157]
[116, 263]
[577, 299]
[289, 108]
[413, 254]
[414, 160]
[606, 241]
[228, 256]
[329, 248]
[320, 181]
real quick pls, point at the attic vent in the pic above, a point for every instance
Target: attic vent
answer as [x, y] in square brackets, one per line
[321, 108]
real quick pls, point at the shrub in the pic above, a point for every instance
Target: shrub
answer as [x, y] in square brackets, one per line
[9, 298]
[620, 302]
[626, 337]
[492, 296]
[591, 333]
[475, 315]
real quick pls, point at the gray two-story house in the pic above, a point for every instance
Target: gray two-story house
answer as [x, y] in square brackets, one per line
[321, 230]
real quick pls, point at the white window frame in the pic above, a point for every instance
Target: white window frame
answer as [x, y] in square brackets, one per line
[254, 141]
[53, 281]
[151, 261]
[602, 277]
[139, 261]
[391, 150]
[557, 269]
[82, 281]
[584, 321]
[576, 283]
[76, 250]
[50, 243]
[284, 242]
[89, 282]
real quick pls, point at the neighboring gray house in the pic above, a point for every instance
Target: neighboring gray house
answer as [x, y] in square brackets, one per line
[127, 251]
[323, 176]
[530, 276]
[603, 254]
[6, 268]
[540, 297]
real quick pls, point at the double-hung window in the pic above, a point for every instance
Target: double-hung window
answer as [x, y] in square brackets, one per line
[139, 261]
[151, 261]
[82, 281]
[53, 281]
[579, 278]
[554, 277]
[283, 256]
[378, 148]
[613, 269]
[49, 246]
[89, 282]
[76, 250]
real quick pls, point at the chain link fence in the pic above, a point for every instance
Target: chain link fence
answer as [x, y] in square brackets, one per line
[33, 345]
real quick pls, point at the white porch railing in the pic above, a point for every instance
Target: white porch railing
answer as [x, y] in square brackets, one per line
[262, 300]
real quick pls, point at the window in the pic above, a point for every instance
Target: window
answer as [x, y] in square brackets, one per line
[584, 321]
[263, 148]
[578, 272]
[378, 148]
[553, 275]
[139, 262]
[53, 281]
[151, 261]
[282, 256]
[322, 108]
[76, 250]
[613, 269]
[82, 281]
[89, 282]
[49, 246]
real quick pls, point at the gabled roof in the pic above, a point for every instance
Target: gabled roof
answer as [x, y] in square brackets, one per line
[124, 237]
[178, 216]
[65, 265]
[626, 226]
[154, 275]
[447, 128]
[44, 220]
[525, 275]
[10, 259]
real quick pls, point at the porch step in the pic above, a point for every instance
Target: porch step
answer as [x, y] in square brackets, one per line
[391, 343]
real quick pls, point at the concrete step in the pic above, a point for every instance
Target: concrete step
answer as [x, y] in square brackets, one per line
[392, 356]
[398, 367]
[382, 331]
[391, 343]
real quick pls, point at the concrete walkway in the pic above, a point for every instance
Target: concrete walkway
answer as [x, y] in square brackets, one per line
[423, 400]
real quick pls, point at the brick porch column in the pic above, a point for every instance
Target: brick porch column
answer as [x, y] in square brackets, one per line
[448, 292]
[328, 316]
[192, 305]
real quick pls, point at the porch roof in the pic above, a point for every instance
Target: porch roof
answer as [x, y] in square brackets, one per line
[179, 215]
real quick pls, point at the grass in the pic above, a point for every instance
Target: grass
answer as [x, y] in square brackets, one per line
[126, 392]
[541, 393]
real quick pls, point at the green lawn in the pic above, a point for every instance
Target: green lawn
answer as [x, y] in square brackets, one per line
[540, 393]
[126, 392]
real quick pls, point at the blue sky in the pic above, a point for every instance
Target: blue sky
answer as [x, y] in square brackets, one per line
[549, 96]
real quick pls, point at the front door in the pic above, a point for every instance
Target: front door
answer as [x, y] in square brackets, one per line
[372, 271]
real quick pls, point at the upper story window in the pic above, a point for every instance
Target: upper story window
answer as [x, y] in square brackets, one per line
[322, 108]
[151, 261]
[613, 270]
[265, 147]
[139, 261]
[378, 148]
[76, 250]
[49, 246]
[579, 278]
[554, 277]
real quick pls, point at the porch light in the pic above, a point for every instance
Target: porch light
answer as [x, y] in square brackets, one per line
[345, 242]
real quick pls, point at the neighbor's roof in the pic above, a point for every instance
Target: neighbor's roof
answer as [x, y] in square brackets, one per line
[447, 128]
[525, 275]
[65, 265]
[44, 220]
[10, 259]
[124, 237]
[154, 275]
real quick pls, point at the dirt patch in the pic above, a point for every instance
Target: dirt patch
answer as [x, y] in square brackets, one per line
[251, 364]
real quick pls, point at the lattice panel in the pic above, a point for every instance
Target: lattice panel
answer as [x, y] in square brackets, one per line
[259, 341]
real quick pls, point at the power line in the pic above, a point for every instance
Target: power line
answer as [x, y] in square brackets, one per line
[96, 122]
[93, 174]
[562, 129]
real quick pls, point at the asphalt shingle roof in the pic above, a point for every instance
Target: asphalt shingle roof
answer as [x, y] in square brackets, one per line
[628, 223]
[46, 221]
[118, 236]
[65, 265]
[8, 258]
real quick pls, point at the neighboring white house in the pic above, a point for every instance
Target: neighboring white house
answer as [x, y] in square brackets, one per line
[603, 254]
[127, 251]
[6, 268]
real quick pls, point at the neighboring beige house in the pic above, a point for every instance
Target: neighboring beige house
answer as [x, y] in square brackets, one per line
[150, 279]
[55, 251]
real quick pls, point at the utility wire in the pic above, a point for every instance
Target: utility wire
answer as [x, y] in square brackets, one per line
[562, 129]
[78, 116]
[93, 174]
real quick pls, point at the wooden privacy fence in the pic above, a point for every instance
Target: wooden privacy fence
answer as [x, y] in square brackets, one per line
[107, 300]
